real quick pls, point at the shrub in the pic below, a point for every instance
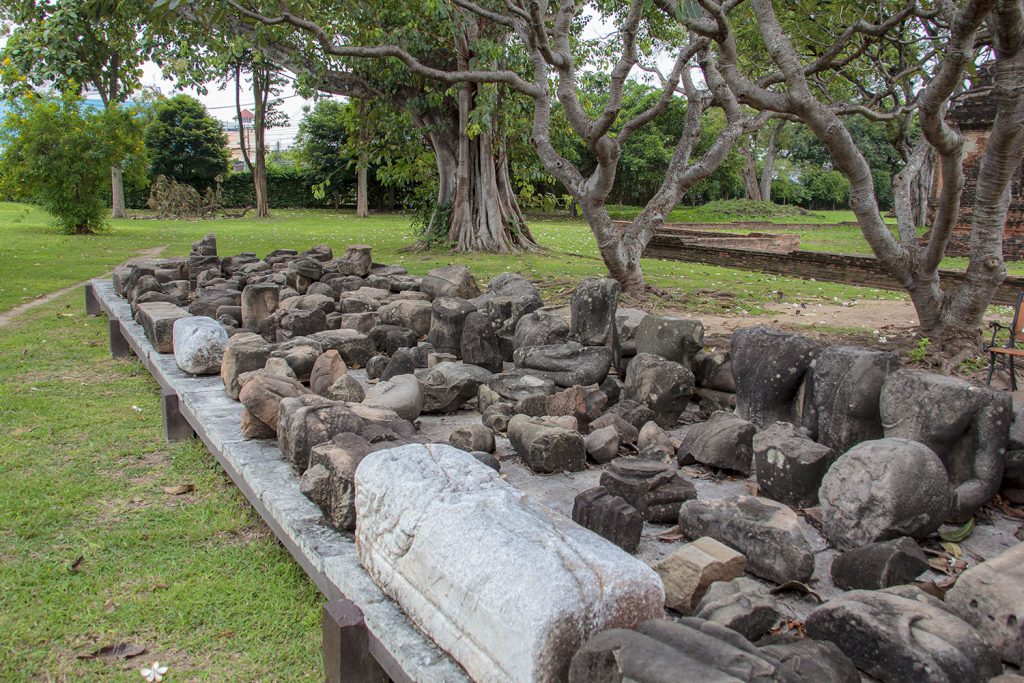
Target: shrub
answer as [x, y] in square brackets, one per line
[58, 154]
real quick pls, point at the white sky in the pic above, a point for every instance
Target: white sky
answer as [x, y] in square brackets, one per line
[221, 103]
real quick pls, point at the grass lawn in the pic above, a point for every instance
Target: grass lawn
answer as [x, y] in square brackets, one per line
[196, 578]
[36, 259]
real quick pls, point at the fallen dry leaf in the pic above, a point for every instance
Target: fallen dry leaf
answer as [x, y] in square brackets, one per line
[180, 489]
[670, 536]
[73, 567]
[936, 588]
[118, 651]
[797, 587]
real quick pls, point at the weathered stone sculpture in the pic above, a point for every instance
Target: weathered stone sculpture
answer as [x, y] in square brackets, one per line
[662, 385]
[545, 447]
[771, 369]
[883, 489]
[966, 426]
[608, 516]
[847, 389]
[441, 533]
[656, 490]
[903, 635]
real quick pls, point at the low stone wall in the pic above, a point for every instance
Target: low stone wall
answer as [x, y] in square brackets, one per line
[864, 271]
[960, 245]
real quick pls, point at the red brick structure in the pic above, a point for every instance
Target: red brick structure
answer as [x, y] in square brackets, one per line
[974, 113]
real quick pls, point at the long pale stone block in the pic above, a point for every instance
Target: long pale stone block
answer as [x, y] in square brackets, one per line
[508, 587]
[157, 318]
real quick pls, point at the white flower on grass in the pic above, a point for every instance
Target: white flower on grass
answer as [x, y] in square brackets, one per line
[155, 673]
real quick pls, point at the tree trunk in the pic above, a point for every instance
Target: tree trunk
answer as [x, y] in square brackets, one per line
[117, 193]
[362, 205]
[257, 166]
[476, 209]
[753, 190]
[261, 91]
[768, 169]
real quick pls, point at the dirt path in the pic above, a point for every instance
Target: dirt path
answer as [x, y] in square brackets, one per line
[7, 317]
[869, 315]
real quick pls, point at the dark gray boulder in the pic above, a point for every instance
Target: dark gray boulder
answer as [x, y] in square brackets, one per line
[401, 362]
[965, 425]
[389, 338]
[810, 661]
[662, 385]
[767, 532]
[355, 348]
[631, 412]
[664, 651]
[883, 489]
[879, 565]
[448, 318]
[770, 369]
[903, 635]
[713, 370]
[723, 441]
[480, 344]
[448, 386]
[789, 465]
[744, 605]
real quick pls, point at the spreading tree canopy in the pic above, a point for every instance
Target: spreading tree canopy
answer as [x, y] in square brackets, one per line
[185, 143]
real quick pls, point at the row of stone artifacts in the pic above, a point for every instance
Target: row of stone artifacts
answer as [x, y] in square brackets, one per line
[886, 454]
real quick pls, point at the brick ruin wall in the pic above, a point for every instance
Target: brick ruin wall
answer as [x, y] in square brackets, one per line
[864, 271]
[974, 117]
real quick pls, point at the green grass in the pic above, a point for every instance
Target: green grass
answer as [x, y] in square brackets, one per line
[196, 578]
[35, 258]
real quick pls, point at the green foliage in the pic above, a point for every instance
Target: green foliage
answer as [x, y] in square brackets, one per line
[62, 44]
[826, 189]
[286, 188]
[321, 142]
[58, 154]
[185, 143]
[920, 352]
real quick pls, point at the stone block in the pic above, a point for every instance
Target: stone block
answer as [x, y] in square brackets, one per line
[655, 489]
[157, 319]
[608, 516]
[768, 533]
[691, 569]
[546, 448]
[509, 588]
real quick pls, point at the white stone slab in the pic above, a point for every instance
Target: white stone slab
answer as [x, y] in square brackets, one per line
[510, 588]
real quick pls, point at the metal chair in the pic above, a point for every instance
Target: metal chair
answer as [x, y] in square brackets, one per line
[1010, 350]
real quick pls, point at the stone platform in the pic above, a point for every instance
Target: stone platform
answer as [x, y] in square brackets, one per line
[199, 405]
